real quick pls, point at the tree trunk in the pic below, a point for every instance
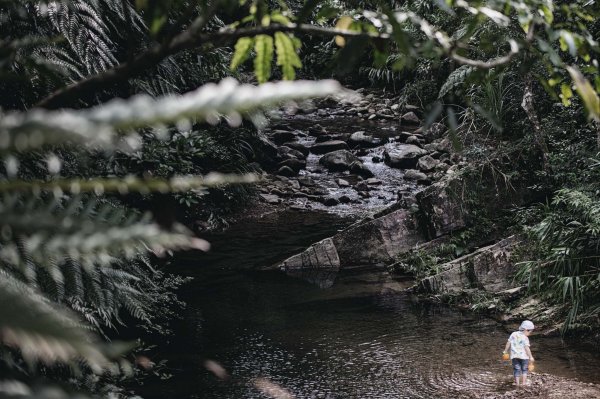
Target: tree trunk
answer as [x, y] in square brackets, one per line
[527, 105]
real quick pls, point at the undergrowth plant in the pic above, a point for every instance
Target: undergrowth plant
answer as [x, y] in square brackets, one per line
[567, 270]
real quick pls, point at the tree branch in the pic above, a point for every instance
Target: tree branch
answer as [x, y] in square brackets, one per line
[514, 50]
[191, 38]
[194, 38]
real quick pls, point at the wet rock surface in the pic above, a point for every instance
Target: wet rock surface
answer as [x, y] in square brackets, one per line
[307, 154]
[488, 269]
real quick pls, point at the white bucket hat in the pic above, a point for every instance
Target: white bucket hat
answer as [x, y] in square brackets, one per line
[526, 325]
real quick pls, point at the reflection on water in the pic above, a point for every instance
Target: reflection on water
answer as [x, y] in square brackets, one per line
[357, 339]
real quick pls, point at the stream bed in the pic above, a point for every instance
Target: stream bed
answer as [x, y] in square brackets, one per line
[361, 338]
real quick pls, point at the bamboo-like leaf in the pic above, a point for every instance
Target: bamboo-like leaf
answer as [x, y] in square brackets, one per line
[287, 58]
[242, 50]
[264, 55]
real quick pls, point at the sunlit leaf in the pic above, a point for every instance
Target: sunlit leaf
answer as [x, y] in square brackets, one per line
[287, 58]
[263, 47]
[343, 23]
[242, 50]
[586, 92]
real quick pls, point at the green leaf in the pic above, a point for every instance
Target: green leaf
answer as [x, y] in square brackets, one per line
[566, 94]
[157, 24]
[586, 92]
[263, 46]
[327, 12]
[280, 18]
[548, 15]
[242, 51]
[567, 42]
[287, 58]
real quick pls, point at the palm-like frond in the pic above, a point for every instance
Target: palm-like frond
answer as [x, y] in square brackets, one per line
[568, 270]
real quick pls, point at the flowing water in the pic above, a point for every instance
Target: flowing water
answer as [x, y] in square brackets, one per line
[358, 339]
[391, 180]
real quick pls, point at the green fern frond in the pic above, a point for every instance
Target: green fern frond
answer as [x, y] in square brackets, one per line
[287, 57]
[89, 234]
[263, 46]
[127, 184]
[41, 331]
[242, 50]
[101, 125]
[455, 79]
[17, 389]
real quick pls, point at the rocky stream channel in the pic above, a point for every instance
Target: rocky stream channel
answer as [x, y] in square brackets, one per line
[298, 294]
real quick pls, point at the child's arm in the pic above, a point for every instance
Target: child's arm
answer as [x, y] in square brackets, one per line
[507, 347]
[529, 353]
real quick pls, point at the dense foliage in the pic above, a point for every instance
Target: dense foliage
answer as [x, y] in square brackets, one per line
[75, 253]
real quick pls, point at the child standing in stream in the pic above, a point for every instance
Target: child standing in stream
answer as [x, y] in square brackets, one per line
[520, 353]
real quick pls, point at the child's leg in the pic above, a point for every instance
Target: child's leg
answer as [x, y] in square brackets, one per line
[525, 369]
[516, 370]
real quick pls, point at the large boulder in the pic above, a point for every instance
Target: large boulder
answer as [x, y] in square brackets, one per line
[286, 171]
[338, 161]
[316, 130]
[412, 174]
[328, 146]
[489, 269]
[361, 139]
[321, 255]
[441, 208]
[377, 241]
[265, 152]
[403, 156]
[413, 139]
[369, 242]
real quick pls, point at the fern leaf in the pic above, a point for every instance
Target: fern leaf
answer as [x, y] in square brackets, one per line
[102, 126]
[287, 57]
[126, 185]
[263, 47]
[41, 331]
[456, 78]
[17, 389]
[242, 51]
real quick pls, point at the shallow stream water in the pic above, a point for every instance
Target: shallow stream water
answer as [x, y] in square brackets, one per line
[358, 339]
